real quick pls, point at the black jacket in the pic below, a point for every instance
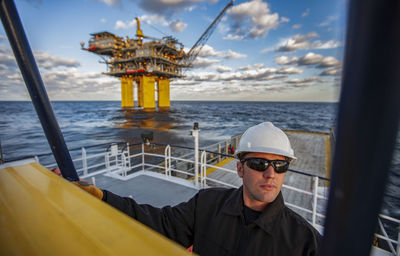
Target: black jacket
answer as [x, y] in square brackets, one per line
[213, 222]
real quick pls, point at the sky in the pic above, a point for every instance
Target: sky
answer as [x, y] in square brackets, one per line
[260, 51]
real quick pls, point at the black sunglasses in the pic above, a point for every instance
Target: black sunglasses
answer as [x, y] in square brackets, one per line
[261, 164]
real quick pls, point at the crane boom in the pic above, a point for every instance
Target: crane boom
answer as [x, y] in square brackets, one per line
[196, 48]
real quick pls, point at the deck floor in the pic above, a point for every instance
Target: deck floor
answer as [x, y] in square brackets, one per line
[147, 189]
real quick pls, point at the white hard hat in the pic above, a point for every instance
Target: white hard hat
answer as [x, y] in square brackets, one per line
[265, 138]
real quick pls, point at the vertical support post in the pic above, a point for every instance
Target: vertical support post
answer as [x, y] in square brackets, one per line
[129, 155]
[226, 147]
[147, 92]
[219, 152]
[195, 134]
[84, 162]
[127, 92]
[163, 93]
[142, 157]
[203, 168]
[167, 161]
[315, 200]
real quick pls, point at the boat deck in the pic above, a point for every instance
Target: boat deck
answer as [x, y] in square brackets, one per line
[149, 188]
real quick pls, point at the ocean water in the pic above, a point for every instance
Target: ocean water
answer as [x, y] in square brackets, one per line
[91, 123]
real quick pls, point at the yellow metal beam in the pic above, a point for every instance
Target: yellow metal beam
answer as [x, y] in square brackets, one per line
[163, 93]
[43, 214]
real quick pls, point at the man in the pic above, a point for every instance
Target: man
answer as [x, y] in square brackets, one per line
[251, 220]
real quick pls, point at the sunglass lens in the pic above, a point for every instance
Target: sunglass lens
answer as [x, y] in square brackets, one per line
[257, 164]
[280, 166]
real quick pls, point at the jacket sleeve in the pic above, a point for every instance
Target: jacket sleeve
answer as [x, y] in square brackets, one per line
[176, 223]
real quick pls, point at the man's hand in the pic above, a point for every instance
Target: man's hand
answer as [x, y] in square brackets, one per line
[91, 189]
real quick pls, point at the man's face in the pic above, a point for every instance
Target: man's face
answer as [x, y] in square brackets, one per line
[260, 188]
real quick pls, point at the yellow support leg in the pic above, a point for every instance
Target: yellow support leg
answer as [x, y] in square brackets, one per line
[127, 93]
[147, 92]
[123, 91]
[163, 93]
[139, 93]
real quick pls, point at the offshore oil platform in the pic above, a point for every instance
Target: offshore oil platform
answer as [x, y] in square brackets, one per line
[147, 66]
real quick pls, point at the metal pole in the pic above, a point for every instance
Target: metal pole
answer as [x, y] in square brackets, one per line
[368, 120]
[142, 157]
[315, 200]
[30, 72]
[195, 134]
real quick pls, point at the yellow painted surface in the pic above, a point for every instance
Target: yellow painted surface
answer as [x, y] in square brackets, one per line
[148, 92]
[163, 93]
[43, 214]
[213, 169]
[139, 93]
[123, 91]
[127, 93]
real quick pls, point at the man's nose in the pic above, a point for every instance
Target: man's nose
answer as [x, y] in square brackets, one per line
[269, 172]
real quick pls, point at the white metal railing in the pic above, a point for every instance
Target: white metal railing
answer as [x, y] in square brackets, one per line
[119, 162]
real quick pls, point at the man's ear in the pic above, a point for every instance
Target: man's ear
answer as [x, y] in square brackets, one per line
[239, 169]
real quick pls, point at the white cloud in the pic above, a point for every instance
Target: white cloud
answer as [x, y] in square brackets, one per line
[329, 61]
[103, 20]
[110, 2]
[201, 62]
[325, 45]
[306, 13]
[328, 21]
[297, 42]
[209, 51]
[119, 24]
[154, 19]
[284, 60]
[248, 67]
[253, 19]
[310, 59]
[177, 26]
[258, 65]
[331, 72]
[233, 37]
[285, 19]
[222, 69]
[297, 26]
[331, 64]
[302, 42]
[167, 7]
[233, 55]
[2, 37]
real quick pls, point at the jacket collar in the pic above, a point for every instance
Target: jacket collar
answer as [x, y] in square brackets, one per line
[234, 206]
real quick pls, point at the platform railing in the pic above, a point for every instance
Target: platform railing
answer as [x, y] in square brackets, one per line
[119, 160]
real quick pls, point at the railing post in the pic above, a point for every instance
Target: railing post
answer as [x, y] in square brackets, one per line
[195, 134]
[167, 161]
[142, 157]
[84, 162]
[219, 152]
[226, 147]
[203, 168]
[129, 155]
[315, 200]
